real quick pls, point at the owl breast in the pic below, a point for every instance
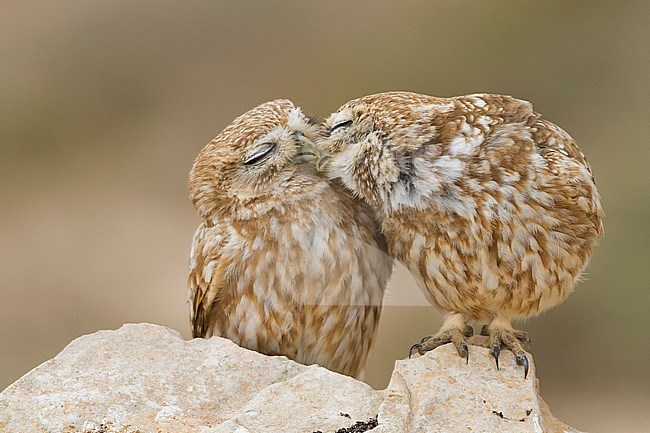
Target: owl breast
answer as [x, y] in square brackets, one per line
[309, 286]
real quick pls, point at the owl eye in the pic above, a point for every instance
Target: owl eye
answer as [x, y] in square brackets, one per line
[341, 125]
[259, 153]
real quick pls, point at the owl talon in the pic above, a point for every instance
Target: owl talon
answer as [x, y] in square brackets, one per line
[496, 350]
[512, 340]
[465, 351]
[418, 347]
[523, 360]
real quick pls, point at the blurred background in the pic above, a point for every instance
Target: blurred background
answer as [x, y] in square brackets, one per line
[104, 105]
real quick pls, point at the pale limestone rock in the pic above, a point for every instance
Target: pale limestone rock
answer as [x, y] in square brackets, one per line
[439, 393]
[145, 378]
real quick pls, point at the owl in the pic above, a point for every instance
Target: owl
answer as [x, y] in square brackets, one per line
[284, 262]
[493, 209]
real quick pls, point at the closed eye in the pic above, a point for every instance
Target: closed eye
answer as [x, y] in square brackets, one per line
[259, 153]
[342, 125]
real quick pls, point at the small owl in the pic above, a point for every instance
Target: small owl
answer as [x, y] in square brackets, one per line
[492, 208]
[284, 261]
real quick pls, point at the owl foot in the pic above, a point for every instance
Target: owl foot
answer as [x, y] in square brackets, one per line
[455, 335]
[511, 339]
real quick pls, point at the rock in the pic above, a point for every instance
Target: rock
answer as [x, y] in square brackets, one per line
[146, 378]
[439, 393]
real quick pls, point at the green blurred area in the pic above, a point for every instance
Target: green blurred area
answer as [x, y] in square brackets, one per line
[104, 105]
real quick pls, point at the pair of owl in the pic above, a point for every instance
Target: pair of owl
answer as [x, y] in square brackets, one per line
[493, 209]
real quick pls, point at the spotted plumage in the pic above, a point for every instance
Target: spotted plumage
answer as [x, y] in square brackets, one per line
[284, 261]
[492, 208]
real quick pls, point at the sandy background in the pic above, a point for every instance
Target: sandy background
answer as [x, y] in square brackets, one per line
[104, 105]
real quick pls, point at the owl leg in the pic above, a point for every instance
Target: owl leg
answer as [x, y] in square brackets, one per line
[454, 330]
[501, 334]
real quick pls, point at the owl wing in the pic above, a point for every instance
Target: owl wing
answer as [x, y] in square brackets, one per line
[568, 166]
[206, 282]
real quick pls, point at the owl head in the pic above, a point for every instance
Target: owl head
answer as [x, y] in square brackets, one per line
[252, 166]
[374, 143]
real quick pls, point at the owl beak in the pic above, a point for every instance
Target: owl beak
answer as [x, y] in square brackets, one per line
[309, 152]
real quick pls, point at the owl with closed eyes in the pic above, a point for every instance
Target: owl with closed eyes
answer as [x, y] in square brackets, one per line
[492, 208]
[284, 261]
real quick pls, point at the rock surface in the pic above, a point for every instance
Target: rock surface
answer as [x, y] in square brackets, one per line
[146, 378]
[441, 394]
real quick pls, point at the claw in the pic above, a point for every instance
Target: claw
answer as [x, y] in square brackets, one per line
[496, 350]
[417, 346]
[465, 352]
[523, 360]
